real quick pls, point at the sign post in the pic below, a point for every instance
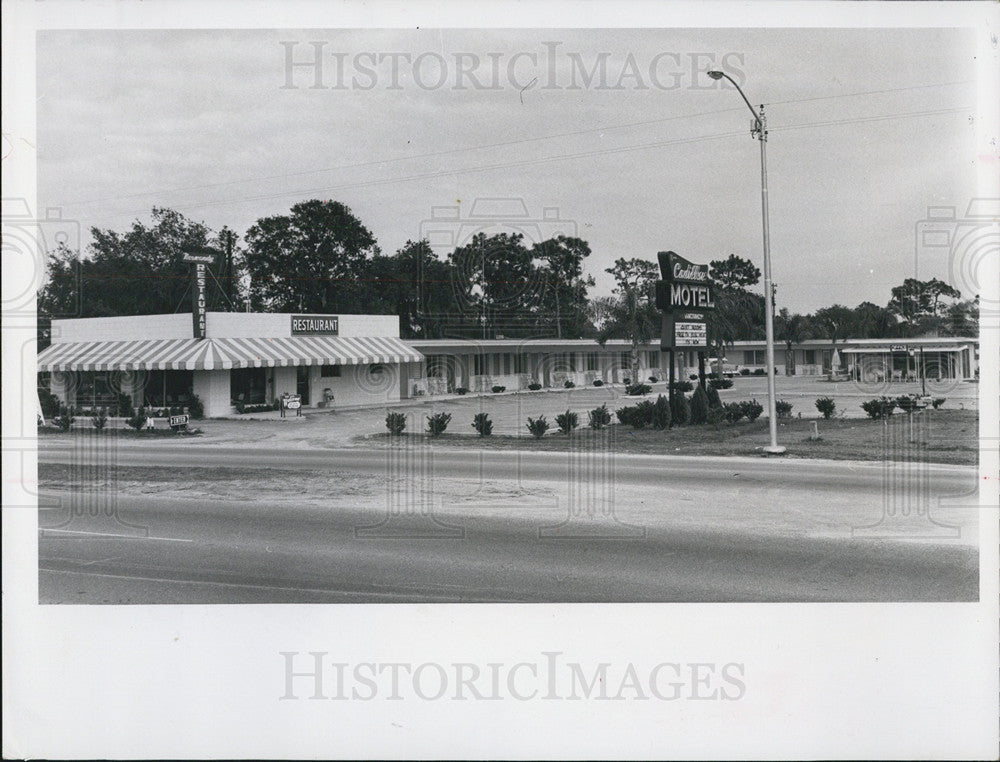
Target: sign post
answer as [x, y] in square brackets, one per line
[685, 298]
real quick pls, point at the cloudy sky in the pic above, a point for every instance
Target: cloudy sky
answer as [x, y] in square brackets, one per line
[617, 133]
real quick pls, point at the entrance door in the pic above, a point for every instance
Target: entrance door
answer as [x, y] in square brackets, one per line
[302, 383]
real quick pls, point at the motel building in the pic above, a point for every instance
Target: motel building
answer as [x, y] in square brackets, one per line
[332, 361]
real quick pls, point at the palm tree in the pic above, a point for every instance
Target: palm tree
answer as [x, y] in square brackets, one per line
[627, 316]
[733, 318]
[791, 329]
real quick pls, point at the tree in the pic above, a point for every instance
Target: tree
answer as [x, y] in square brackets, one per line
[734, 272]
[791, 328]
[738, 312]
[834, 323]
[564, 293]
[494, 276]
[312, 260]
[630, 313]
[962, 318]
[873, 322]
[136, 272]
[918, 305]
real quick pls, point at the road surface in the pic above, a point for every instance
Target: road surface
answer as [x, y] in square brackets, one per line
[238, 526]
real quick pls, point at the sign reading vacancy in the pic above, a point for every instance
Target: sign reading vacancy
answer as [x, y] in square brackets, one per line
[684, 296]
[315, 325]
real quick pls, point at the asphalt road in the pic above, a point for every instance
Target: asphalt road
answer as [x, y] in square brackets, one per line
[524, 527]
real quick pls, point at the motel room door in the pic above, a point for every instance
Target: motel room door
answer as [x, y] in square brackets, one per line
[302, 383]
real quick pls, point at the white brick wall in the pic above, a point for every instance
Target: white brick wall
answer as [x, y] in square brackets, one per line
[177, 326]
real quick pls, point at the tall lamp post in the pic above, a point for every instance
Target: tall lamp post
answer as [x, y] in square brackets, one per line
[759, 131]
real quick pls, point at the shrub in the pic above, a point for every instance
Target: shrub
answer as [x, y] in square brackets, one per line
[783, 409]
[196, 408]
[654, 380]
[534, 386]
[396, 423]
[538, 426]
[879, 407]
[598, 382]
[461, 390]
[692, 377]
[720, 383]
[682, 386]
[751, 409]
[567, 422]
[259, 407]
[826, 406]
[437, 423]
[679, 410]
[716, 415]
[661, 416]
[906, 403]
[713, 397]
[624, 414]
[759, 372]
[65, 418]
[100, 419]
[240, 407]
[123, 407]
[482, 423]
[138, 419]
[937, 402]
[699, 407]
[498, 389]
[733, 411]
[638, 390]
[642, 415]
[744, 371]
[599, 417]
[568, 384]
[49, 403]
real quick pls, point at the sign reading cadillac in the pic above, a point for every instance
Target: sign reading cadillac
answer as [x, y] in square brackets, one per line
[315, 325]
[684, 296]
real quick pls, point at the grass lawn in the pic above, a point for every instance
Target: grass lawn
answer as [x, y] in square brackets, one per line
[938, 436]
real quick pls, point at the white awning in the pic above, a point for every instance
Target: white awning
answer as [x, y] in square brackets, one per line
[912, 350]
[214, 354]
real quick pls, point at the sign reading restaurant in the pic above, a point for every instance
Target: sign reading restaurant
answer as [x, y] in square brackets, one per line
[684, 295]
[315, 325]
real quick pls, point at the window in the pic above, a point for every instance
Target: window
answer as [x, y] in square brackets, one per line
[506, 363]
[248, 385]
[753, 357]
[168, 387]
[478, 365]
[654, 359]
[329, 371]
[809, 356]
[625, 359]
[520, 362]
[571, 362]
[592, 361]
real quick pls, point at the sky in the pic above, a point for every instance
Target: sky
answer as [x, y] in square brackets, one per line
[868, 129]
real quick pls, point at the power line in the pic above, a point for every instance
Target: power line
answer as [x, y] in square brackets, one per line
[549, 159]
[503, 144]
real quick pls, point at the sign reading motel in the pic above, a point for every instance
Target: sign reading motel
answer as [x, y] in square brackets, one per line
[684, 295]
[315, 325]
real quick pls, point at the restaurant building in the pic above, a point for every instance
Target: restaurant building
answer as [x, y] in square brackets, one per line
[347, 360]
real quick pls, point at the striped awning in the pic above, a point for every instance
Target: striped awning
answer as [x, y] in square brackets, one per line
[221, 354]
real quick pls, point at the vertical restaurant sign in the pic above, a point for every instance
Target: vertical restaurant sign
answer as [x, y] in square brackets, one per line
[199, 259]
[684, 295]
[199, 275]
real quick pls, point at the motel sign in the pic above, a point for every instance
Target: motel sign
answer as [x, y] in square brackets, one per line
[684, 296]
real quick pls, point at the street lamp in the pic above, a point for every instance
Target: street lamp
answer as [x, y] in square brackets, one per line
[759, 131]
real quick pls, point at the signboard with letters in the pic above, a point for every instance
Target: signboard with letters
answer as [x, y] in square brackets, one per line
[684, 296]
[315, 325]
[178, 421]
[200, 259]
